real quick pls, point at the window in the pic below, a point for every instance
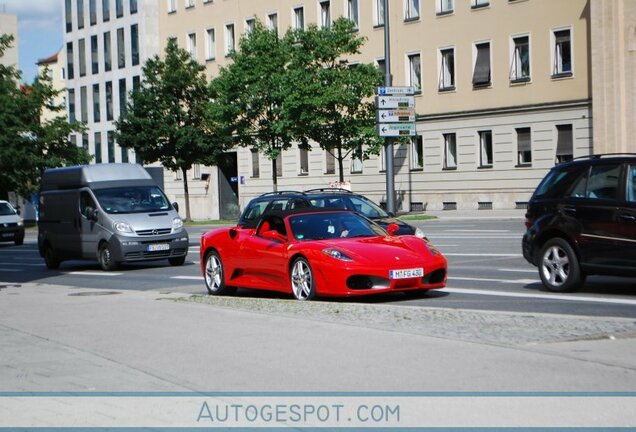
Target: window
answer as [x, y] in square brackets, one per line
[96, 107]
[98, 147]
[196, 171]
[189, 4]
[272, 21]
[378, 12]
[122, 96]
[124, 154]
[92, 11]
[107, 52]
[207, 1]
[110, 136]
[249, 25]
[450, 151]
[121, 49]
[520, 67]
[352, 12]
[485, 149]
[382, 66]
[85, 141]
[119, 8]
[325, 13]
[304, 161]
[80, 14]
[600, 183]
[564, 150]
[109, 100]
[444, 7]
[631, 184]
[136, 83]
[562, 54]
[417, 153]
[73, 140]
[83, 104]
[69, 60]
[447, 69]
[356, 160]
[481, 71]
[256, 170]
[71, 105]
[415, 72]
[476, 4]
[299, 18]
[192, 45]
[134, 44]
[279, 165]
[172, 6]
[81, 47]
[94, 60]
[133, 6]
[68, 12]
[330, 163]
[229, 39]
[524, 147]
[210, 46]
[106, 10]
[412, 10]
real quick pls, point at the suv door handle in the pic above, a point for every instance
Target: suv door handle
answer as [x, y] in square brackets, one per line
[569, 209]
[627, 216]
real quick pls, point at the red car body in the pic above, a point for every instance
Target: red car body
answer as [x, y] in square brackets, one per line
[263, 258]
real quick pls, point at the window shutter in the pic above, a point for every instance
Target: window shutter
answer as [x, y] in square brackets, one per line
[523, 140]
[481, 74]
[564, 140]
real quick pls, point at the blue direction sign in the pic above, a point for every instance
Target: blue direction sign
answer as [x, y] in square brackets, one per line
[396, 91]
[396, 129]
[392, 102]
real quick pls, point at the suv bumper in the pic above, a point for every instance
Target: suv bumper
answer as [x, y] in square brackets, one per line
[528, 248]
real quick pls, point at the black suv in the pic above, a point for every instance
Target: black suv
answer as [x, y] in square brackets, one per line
[322, 198]
[581, 221]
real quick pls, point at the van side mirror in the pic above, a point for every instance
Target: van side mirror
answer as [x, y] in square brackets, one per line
[91, 213]
[176, 206]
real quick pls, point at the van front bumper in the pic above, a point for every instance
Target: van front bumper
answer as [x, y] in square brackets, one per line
[127, 249]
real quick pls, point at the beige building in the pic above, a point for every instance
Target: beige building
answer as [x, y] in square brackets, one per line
[57, 73]
[505, 90]
[9, 26]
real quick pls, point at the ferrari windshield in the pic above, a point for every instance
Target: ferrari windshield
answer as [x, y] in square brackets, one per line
[137, 199]
[327, 225]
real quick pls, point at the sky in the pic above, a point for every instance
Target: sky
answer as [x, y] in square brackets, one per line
[39, 31]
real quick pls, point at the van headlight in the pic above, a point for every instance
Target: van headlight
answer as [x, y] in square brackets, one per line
[20, 222]
[122, 227]
[177, 224]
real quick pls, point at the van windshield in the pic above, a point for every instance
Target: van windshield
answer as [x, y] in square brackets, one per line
[137, 199]
[6, 209]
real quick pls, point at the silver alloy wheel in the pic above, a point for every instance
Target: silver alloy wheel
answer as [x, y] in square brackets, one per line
[213, 273]
[301, 280]
[555, 266]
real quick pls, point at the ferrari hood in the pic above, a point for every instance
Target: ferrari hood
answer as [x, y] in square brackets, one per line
[382, 249]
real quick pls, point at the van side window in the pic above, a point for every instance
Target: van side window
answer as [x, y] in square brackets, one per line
[86, 200]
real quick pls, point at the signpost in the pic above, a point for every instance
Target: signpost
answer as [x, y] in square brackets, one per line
[395, 111]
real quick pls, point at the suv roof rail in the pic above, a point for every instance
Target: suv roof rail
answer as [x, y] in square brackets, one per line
[328, 189]
[603, 155]
[283, 192]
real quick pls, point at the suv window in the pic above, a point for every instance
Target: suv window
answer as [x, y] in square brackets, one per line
[558, 182]
[600, 183]
[631, 184]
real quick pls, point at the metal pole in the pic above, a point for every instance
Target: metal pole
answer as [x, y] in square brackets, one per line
[388, 142]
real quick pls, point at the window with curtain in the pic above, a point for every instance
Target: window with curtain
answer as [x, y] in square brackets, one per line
[485, 149]
[450, 151]
[352, 12]
[325, 13]
[520, 67]
[562, 54]
[229, 39]
[524, 147]
[299, 18]
[447, 69]
[415, 72]
[417, 153]
[210, 49]
[304, 161]
[356, 160]
[412, 11]
[444, 7]
[256, 171]
[379, 12]
[330, 163]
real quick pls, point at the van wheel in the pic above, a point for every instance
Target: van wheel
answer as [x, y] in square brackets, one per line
[559, 266]
[178, 261]
[106, 259]
[50, 260]
[18, 240]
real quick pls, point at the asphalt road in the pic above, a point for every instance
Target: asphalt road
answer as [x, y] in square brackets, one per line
[486, 272]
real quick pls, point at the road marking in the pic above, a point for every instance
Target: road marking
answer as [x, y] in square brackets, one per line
[482, 255]
[540, 296]
[465, 237]
[519, 281]
[517, 270]
[88, 273]
[477, 231]
[10, 270]
[194, 247]
[187, 277]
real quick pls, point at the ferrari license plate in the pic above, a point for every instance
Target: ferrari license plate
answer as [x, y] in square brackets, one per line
[406, 273]
[157, 247]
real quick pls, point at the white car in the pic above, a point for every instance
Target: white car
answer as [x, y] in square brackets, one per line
[11, 224]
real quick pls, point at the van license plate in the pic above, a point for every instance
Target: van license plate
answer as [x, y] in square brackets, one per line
[407, 273]
[158, 247]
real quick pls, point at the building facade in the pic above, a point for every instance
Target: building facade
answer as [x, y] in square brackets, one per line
[9, 26]
[55, 66]
[503, 92]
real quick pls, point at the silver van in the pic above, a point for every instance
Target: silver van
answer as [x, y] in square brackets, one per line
[113, 212]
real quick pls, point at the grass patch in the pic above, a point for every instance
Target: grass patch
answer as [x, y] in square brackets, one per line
[417, 217]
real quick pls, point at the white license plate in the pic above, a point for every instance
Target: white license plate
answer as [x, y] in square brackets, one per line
[158, 247]
[406, 273]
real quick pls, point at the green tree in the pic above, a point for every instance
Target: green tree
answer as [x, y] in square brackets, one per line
[166, 119]
[332, 99]
[29, 145]
[251, 95]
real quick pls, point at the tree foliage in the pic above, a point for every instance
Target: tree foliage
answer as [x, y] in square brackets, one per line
[166, 119]
[29, 145]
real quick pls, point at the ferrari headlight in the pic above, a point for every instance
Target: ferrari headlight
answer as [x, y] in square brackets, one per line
[335, 253]
[122, 227]
[419, 233]
[177, 224]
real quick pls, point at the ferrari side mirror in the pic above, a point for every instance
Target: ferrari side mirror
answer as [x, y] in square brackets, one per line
[392, 228]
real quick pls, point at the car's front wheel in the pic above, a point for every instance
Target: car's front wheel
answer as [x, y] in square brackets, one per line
[559, 266]
[302, 280]
[215, 276]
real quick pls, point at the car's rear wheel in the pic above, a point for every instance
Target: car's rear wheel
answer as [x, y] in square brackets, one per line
[177, 261]
[106, 258]
[215, 275]
[559, 266]
[50, 259]
[302, 280]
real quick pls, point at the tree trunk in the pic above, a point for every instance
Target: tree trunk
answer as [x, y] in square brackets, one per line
[186, 194]
[340, 164]
[274, 176]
